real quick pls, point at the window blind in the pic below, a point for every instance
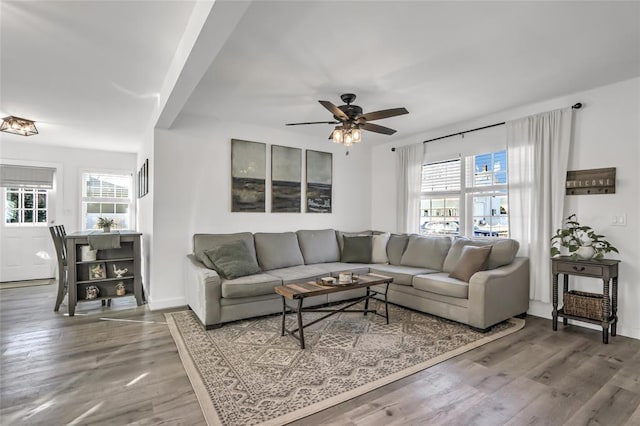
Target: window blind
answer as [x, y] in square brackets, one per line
[442, 176]
[13, 176]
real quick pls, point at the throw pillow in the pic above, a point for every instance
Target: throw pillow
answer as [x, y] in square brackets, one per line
[472, 260]
[379, 251]
[233, 260]
[395, 248]
[357, 249]
[202, 257]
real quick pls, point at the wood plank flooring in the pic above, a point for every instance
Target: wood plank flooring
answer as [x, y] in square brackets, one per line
[89, 369]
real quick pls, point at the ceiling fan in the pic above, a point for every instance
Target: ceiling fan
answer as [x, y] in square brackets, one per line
[351, 120]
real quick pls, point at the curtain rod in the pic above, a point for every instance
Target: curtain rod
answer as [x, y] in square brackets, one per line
[575, 106]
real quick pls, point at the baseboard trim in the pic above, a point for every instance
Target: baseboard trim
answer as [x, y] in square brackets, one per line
[156, 305]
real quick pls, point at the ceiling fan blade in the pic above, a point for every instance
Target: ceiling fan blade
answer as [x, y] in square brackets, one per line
[313, 122]
[385, 113]
[334, 110]
[378, 129]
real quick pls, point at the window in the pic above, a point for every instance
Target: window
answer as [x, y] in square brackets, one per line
[487, 194]
[106, 195]
[440, 204]
[26, 206]
[470, 200]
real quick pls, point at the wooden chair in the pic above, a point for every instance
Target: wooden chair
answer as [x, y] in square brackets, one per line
[58, 234]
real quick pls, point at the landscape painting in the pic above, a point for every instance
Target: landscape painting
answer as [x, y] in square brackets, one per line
[286, 179]
[248, 176]
[319, 179]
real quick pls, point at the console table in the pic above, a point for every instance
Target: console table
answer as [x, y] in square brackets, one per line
[604, 269]
[125, 257]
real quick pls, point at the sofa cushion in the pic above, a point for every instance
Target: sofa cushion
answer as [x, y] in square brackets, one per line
[379, 247]
[336, 267]
[319, 246]
[357, 249]
[426, 252]
[441, 283]
[277, 250]
[203, 242]
[299, 273]
[472, 260]
[233, 260]
[503, 251]
[402, 275]
[396, 247]
[251, 285]
[340, 235]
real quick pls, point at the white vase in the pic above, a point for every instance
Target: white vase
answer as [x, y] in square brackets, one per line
[585, 252]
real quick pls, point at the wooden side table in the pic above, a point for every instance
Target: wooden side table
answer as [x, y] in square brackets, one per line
[604, 269]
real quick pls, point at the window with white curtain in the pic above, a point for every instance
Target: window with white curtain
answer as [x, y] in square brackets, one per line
[109, 196]
[470, 200]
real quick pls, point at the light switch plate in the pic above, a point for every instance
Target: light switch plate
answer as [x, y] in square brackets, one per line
[619, 220]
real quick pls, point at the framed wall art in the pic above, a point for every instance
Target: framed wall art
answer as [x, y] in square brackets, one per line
[248, 176]
[143, 179]
[286, 179]
[319, 181]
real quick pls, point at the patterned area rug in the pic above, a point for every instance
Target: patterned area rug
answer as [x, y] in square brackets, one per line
[246, 373]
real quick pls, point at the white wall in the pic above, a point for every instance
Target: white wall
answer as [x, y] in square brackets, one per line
[145, 208]
[73, 160]
[192, 181]
[606, 134]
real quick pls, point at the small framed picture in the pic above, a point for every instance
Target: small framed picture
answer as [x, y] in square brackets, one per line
[97, 271]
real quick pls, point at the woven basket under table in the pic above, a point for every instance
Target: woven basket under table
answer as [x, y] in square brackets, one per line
[583, 304]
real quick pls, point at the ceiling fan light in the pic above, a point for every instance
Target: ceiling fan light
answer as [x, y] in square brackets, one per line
[18, 126]
[337, 135]
[357, 135]
[348, 139]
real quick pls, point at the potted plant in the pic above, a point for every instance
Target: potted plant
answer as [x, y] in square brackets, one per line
[121, 290]
[580, 240]
[105, 223]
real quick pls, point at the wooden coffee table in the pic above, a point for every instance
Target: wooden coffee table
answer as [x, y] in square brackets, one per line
[300, 291]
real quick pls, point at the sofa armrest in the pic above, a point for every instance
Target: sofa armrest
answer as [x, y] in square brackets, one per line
[498, 294]
[203, 291]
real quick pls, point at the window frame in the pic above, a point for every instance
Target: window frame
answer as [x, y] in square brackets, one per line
[20, 191]
[84, 200]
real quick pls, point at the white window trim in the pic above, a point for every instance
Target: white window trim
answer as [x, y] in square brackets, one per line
[132, 199]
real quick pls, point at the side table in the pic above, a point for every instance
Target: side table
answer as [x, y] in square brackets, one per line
[604, 269]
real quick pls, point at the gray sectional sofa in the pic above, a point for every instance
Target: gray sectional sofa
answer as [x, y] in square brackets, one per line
[419, 265]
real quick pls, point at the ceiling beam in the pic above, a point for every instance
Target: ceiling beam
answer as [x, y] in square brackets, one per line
[209, 27]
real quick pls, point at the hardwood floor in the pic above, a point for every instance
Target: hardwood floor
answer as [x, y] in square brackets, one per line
[119, 365]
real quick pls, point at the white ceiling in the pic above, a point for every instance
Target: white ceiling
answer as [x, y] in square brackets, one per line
[444, 61]
[90, 72]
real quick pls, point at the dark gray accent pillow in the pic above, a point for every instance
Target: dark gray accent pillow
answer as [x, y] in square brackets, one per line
[357, 249]
[233, 260]
[395, 248]
[472, 260]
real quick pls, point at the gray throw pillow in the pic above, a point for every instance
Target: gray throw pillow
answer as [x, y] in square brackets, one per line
[357, 249]
[233, 260]
[472, 260]
[395, 248]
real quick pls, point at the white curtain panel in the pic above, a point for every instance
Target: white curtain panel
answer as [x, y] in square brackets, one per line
[538, 154]
[409, 178]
